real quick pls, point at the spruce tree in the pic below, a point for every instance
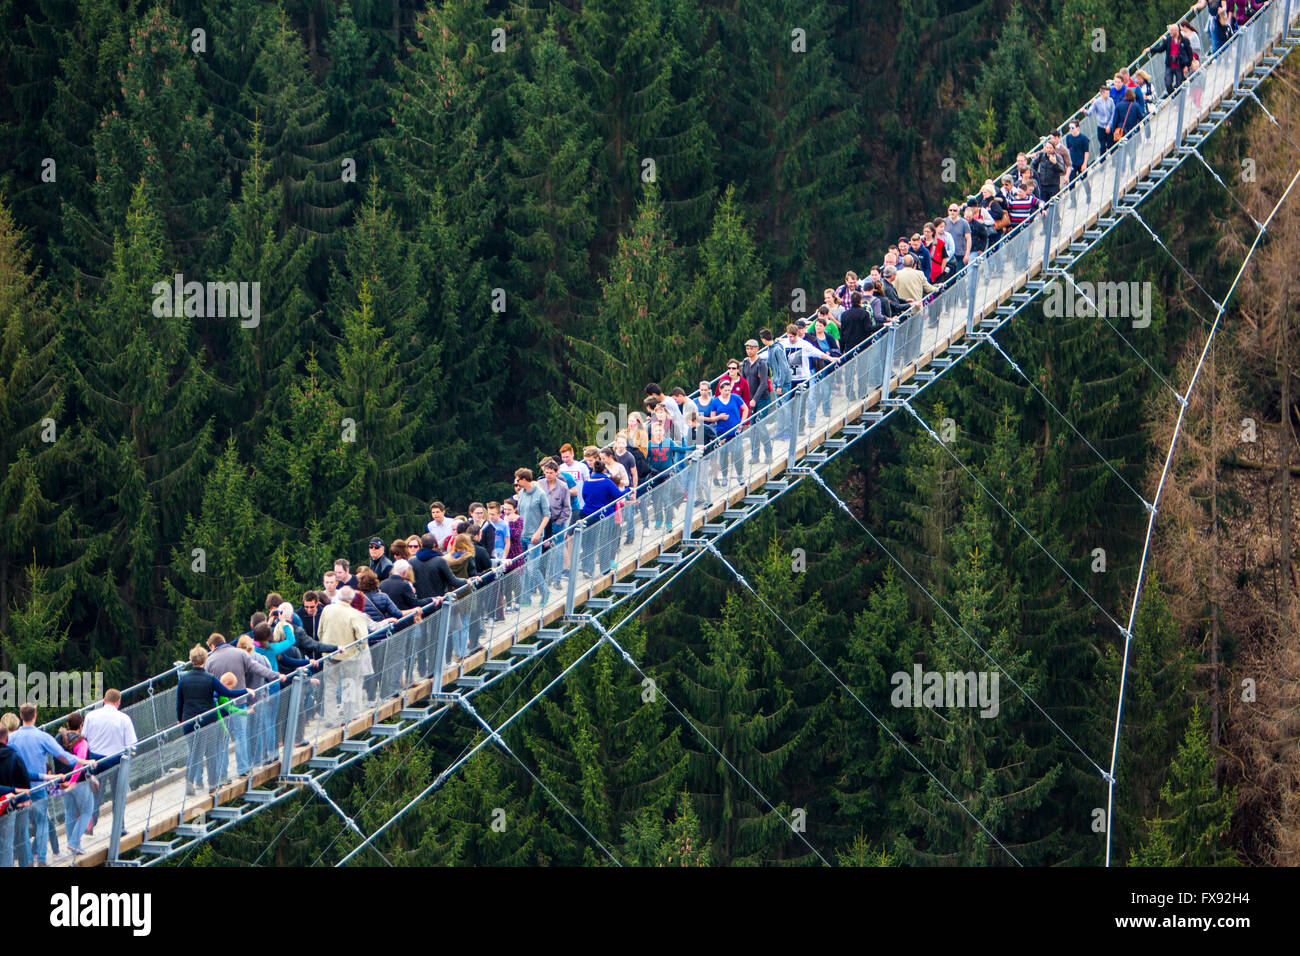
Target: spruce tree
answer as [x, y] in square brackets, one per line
[638, 331]
[550, 218]
[792, 141]
[728, 301]
[141, 391]
[1193, 823]
[35, 449]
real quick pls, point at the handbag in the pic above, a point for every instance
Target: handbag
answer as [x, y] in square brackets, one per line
[1119, 128]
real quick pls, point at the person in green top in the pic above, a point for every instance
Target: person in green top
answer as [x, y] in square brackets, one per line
[226, 709]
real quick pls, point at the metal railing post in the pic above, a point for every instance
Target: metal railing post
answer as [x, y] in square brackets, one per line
[796, 405]
[444, 640]
[1236, 70]
[1117, 157]
[889, 362]
[1048, 234]
[291, 724]
[575, 555]
[121, 789]
[973, 285]
[1182, 114]
[692, 481]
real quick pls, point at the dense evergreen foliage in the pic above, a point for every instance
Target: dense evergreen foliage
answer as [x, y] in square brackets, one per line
[476, 226]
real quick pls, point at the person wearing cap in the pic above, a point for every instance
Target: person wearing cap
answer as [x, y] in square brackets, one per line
[380, 563]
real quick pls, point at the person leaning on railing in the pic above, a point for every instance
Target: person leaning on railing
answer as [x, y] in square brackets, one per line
[197, 692]
[347, 627]
[33, 745]
[15, 787]
[109, 733]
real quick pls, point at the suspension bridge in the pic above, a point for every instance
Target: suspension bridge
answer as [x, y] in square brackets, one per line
[411, 680]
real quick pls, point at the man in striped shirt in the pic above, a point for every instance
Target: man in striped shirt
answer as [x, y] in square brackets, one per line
[1023, 204]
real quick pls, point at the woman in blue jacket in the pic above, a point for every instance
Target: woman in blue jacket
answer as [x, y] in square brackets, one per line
[600, 499]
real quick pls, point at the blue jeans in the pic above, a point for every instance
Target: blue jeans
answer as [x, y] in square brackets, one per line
[77, 808]
[242, 731]
[7, 838]
[264, 746]
[534, 579]
[554, 552]
[33, 833]
[758, 432]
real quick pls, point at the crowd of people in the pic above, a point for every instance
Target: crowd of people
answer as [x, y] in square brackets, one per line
[73, 769]
[226, 694]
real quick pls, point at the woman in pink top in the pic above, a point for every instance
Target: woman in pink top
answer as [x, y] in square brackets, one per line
[76, 788]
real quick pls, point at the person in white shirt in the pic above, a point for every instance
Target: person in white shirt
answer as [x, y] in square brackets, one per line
[805, 361]
[579, 472]
[441, 527]
[109, 733]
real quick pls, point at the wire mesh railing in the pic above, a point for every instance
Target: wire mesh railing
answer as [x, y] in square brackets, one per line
[177, 770]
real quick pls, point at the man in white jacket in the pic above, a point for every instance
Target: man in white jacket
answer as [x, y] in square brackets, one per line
[344, 626]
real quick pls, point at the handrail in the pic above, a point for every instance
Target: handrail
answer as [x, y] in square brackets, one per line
[906, 324]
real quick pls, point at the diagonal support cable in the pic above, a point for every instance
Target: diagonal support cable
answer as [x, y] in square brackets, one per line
[1007, 511]
[347, 820]
[843, 506]
[1271, 118]
[906, 749]
[1101, 314]
[466, 755]
[631, 662]
[464, 758]
[1178, 262]
[500, 742]
[1028, 381]
[1213, 172]
[1164, 475]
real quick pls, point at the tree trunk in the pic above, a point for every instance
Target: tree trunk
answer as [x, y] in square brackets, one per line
[1214, 569]
[1284, 466]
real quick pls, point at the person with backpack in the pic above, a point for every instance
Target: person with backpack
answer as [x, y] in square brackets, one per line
[755, 373]
[78, 803]
[32, 746]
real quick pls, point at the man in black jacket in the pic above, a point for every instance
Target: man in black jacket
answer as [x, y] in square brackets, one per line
[1178, 56]
[14, 784]
[433, 577]
[895, 301]
[854, 324]
[754, 371]
[1049, 171]
[380, 563]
